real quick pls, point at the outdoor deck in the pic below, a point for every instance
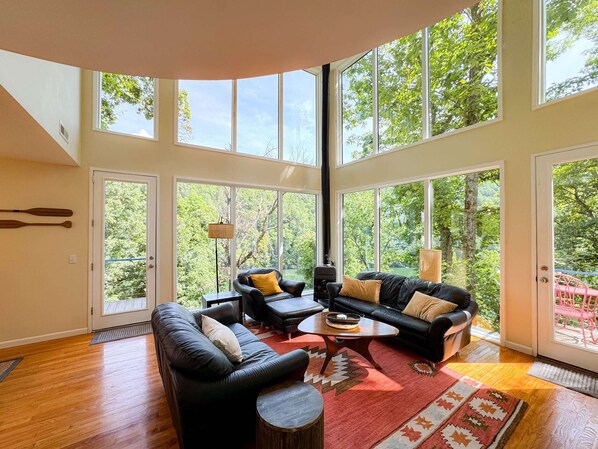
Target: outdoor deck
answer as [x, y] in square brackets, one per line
[124, 305]
[572, 336]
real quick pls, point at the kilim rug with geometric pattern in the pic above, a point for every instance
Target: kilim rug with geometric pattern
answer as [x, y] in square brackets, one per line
[410, 404]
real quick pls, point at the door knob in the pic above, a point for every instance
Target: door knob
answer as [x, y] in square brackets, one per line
[544, 280]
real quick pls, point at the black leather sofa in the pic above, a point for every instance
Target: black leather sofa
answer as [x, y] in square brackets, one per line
[212, 401]
[436, 341]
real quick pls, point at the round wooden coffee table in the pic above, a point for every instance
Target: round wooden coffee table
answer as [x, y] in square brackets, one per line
[357, 339]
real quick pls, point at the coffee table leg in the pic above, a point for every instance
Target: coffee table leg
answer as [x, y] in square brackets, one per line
[361, 346]
[332, 347]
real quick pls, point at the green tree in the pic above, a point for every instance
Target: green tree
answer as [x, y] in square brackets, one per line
[118, 89]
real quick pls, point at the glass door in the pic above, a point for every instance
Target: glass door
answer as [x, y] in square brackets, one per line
[124, 249]
[567, 256]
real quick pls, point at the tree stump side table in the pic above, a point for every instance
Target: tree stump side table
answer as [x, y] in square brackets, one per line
[290, 415]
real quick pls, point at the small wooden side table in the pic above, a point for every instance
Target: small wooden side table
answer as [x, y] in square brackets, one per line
[290, 415]
[218, 298]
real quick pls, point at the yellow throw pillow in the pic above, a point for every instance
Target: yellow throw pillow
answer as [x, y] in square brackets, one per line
[266, 283]
[427, 307]
[365, 290]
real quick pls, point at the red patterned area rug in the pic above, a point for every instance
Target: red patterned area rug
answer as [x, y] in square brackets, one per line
[410, 404]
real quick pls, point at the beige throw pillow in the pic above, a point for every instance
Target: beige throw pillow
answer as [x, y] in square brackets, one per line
[222, 337]
[365, 290]
[427, 307]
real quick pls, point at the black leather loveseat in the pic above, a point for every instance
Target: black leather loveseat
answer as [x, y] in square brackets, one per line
[436, 341]
[212, 401]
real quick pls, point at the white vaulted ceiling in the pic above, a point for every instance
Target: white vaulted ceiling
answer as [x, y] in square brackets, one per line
[209, 39]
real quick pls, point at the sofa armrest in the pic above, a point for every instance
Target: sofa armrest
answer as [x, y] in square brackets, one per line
[295, 288]
[333, 289]
[291, 365]
[224, 313]
[450, 323]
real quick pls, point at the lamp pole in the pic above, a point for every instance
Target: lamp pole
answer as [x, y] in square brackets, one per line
[217, 282]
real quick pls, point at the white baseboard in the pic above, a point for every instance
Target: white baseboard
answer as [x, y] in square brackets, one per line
[39, 338]
[518, 347]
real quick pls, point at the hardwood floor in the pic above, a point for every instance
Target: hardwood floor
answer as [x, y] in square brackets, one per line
[67, 394]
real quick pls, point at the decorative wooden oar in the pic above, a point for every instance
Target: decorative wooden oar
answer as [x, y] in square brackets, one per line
[12, 224]
[43, 212]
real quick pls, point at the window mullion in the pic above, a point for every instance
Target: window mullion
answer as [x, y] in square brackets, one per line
[280, 117]
[376, 229]
[233, 220]
[234, 117]
[280, 212]
[428, 206]
[426, 126]
[375, 101]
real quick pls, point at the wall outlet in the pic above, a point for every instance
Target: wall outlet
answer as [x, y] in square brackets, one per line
[72, 258]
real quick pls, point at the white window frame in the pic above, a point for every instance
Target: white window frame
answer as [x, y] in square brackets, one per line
[340, 66]
[233, 219]
[97, 77]
[317, 72]
[539, 62]
[427, 237]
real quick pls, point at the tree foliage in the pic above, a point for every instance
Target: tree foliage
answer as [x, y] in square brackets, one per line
[569, 22]
[118, 89]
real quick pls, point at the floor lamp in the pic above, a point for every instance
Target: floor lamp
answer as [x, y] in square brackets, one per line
[430, 265]
[220, 231]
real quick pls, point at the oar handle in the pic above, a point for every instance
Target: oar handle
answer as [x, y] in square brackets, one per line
[13, 224]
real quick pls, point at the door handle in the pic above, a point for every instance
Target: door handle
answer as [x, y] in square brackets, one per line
[544, 280]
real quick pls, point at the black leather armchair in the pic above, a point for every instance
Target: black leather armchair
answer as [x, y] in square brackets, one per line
[254, 303]
[212, 401]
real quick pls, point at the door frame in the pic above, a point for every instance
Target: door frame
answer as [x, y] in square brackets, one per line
[534, 231]
[92, 169]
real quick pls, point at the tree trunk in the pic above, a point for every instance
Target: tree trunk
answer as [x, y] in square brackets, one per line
[446, 246]
[471, 228]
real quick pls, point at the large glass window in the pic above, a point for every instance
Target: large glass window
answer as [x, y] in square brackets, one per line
[463, 69]
[271, 116]
[428, 83]
[358, 102]
[464, 220]
[401, 228]
[210, 124]
[197, 206]
[299, 117]
[358, 232]
[258, 230]
[570, 47]
[466, 227]
[299, 236]
[257, 116]
[126, 104]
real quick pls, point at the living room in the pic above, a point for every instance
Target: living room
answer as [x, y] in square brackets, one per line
[48, 295]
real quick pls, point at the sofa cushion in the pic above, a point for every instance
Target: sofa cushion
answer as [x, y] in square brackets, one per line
[391, 285]
[222, 337]
[427, 307]
[278, 297]
[266, 283]
[254, 350]
[450, 293]
[400, 320]
[366, 290]
[357, 305]
[294, 307]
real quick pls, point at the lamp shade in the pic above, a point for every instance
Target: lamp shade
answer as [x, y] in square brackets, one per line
[430, 265]
[221, 231]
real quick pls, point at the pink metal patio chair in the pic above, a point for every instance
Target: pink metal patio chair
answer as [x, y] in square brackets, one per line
[574, 302]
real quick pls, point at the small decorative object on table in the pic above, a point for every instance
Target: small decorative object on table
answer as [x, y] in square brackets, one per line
[342, 320]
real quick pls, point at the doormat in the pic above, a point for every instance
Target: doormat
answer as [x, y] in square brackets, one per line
[565, 375]
[118, 333]
[411, 404]
[7, 366]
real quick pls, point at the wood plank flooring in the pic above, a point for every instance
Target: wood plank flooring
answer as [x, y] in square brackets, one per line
[67, 394]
